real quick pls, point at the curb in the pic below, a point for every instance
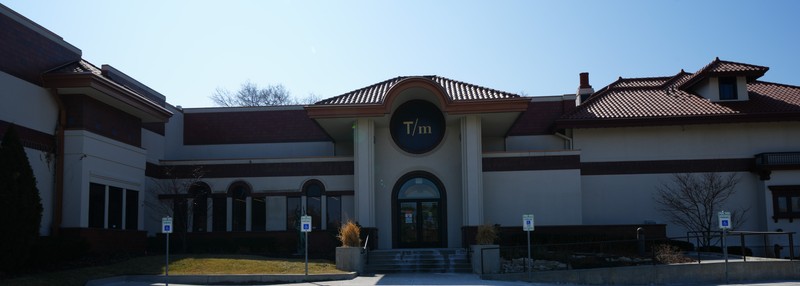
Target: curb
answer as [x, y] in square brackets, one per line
[223, 279]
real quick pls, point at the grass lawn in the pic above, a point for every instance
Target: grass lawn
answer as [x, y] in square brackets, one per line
[179, 264]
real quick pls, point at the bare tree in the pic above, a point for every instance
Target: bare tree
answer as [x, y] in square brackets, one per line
[693, 200]
[250, 94]
[171, 196]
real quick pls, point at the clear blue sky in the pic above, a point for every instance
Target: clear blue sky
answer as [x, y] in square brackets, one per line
[186, 49]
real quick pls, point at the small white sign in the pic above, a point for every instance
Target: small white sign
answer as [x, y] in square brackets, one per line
[305, 223]
[724, 220]
[527, 222]
[166, 225]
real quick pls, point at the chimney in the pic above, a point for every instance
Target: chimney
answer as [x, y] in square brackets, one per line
[585, 89]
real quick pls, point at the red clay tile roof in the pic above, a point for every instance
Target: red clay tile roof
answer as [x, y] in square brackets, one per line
[456, 91]
[725, 68]
[631, 102]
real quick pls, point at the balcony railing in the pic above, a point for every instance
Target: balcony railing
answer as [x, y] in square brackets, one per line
[772, 161]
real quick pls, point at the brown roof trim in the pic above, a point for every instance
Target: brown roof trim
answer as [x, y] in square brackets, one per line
[448, 106]
[106, 86]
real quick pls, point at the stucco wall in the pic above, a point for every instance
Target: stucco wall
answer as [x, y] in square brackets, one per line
[23, 93]
[686, 142]
[88, 158]
[629, 197]
[444, 162]
[554, 197]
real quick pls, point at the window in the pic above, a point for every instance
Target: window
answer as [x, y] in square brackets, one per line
[199, 193]
[219, 214]
[239, 192]
[314, 203]
[293, 212]
[131, 210]
[259, 214]
[327, 216]
[179, 216]
[785, 202]
[333, 212]
[727, 88]
[97, 205]
[114, 208]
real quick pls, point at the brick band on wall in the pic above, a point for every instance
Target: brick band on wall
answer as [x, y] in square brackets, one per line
[340, 168]
[667, 166]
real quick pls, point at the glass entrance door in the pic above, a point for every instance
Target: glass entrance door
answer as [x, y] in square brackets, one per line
[419, 216]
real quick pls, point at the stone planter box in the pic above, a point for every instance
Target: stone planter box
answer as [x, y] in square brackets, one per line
[485, 261]
[349, 259]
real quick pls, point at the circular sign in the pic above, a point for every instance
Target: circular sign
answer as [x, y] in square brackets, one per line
[417, 126]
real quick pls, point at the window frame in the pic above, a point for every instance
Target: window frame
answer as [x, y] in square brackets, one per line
[789, 194]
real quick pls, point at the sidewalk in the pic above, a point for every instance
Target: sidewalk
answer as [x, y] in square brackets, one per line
[429, 279]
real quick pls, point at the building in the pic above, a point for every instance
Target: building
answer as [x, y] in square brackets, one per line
[415, 158]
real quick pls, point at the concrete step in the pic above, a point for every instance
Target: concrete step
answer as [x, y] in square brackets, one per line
[418, 260]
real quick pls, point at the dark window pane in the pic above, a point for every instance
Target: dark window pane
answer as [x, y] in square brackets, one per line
[131, 209]
[179, 215]
[782, 205]
[220, 214]
[114, 208]
[199, 214]
[727, 88]
[199, 193]
[97, 205]
[239, 211]
[259, 214]
[334, 212]
[314, 209]
[293, 213]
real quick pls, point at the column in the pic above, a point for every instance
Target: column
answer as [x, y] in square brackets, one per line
[472, 170]
[364, 161]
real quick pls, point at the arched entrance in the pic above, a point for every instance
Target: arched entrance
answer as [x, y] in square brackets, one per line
[418, 212]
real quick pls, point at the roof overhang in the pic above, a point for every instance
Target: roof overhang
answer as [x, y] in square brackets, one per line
[108, 92]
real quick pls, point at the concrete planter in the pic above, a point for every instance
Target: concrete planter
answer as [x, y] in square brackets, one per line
[349, 259]
[485, 261]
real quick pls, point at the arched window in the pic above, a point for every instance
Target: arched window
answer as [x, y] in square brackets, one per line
[199, 193]
[313, 190]
[238, 192]
[324, 208]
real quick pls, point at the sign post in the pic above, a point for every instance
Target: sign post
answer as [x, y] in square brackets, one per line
[166, 228]
[724, 226]
[305, 227]
[528, 226]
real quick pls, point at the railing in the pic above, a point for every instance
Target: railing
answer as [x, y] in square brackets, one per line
[778, 159]
[584, 255]
[365, 250]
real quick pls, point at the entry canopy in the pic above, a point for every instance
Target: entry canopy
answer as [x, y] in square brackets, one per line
[418, 188]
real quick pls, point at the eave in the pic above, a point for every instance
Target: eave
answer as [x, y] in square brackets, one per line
[107, 92]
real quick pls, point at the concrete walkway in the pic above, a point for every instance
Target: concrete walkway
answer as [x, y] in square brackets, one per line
[423, 279]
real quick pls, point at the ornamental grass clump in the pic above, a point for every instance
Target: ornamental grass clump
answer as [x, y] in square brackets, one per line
[486, 234]
[350, 234]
